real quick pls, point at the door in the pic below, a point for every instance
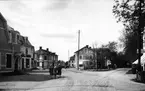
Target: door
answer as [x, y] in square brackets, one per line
[8, 60]
[22, 63]
[27, 63]
[16, 63]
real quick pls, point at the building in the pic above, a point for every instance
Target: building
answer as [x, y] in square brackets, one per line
[85, 54]
[44, 58]
[10, 47]
[6, 53]
[62, 63]
[27, 51]
[72, 61]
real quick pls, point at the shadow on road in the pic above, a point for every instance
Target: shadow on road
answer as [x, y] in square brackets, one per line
[129, 72]
[33, 76]
[134, 80]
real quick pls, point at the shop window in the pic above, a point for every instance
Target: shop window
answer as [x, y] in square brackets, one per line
[8, 60]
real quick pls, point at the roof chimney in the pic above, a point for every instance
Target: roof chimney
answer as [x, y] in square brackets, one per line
[26, 39]
[40, 47]
[47, 49]
[87, 46]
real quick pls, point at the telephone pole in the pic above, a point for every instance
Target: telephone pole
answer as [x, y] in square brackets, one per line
[68, 55]
[78, 50]
[140, 34]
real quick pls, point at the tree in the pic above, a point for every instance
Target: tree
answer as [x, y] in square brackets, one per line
[130, 45]
[128, 12]
[106, 52]
[132, 14]
[112, 46]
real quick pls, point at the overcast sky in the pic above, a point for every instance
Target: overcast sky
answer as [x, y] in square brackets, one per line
[54, 24]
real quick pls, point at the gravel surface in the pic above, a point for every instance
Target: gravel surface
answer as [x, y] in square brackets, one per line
[73, 80]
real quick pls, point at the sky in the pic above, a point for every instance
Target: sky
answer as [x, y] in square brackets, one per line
[54, 24]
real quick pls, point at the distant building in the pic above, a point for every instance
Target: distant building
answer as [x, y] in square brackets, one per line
[28, 53]
[62, 63]
[85, 54]
[72, 61]
[44, 58]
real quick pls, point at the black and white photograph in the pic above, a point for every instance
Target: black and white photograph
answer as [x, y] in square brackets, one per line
[72, 45]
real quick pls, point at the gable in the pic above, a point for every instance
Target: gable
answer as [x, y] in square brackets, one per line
[1, 17]
[1, 24]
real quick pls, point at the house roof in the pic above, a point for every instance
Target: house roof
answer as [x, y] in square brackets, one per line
[2, 17]
[9, 28]
[25, 42]
[83, 48]
[42, 51]
[72, 58]
[142, 60]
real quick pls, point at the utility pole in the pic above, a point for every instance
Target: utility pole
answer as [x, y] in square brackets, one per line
[68, 55]
[68, 58]
[140, 34]
[78, 50]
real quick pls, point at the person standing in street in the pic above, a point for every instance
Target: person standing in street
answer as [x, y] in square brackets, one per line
[59, 69]
[51, 68]
[55, 70]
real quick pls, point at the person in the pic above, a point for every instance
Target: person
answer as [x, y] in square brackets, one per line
[115, 66]
[51, 70]
[55, 70]
[59, 69]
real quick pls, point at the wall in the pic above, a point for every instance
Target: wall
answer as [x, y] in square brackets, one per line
[5, 47]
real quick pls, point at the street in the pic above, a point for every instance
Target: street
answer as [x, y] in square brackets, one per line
[74, 80]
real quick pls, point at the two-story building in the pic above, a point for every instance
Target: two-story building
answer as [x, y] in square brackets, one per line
[12, 48]
[9, 47]
[6, 53]
[71, 61]
[84, 55]
[27, 51]
[44, 58]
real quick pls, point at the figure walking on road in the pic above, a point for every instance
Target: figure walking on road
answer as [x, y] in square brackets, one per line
[59, 69]
[51, 68]
[55, 70]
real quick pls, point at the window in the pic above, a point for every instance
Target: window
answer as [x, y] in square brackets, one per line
[45, 57]
[91, 57]
[26, 51]
[81, 57]
[38, 64]
[8, 60]
[10, 37]
[16, 38]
